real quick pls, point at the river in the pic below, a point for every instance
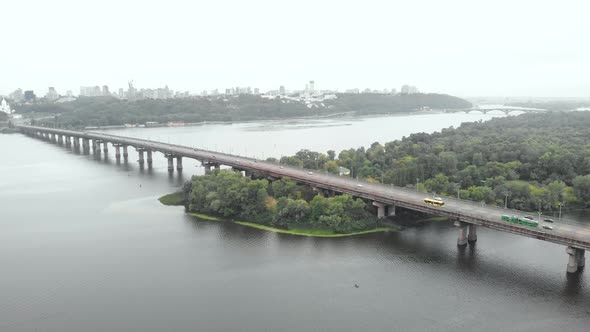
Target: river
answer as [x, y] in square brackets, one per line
[86, 246]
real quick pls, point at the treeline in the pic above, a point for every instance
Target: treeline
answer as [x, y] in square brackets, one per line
[554, 105]
[368, 103]
[531, 161]
[282, 203]
[107, 111]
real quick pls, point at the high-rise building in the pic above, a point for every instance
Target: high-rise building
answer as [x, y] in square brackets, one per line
[282, 90]
[105, 90]
[52, 94]
[30, 96]
[311, 86]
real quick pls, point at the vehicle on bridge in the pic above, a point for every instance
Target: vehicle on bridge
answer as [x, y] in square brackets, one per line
[437, 201]
[520, 220]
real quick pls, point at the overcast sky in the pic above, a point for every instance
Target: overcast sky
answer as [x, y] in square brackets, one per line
[465, 48]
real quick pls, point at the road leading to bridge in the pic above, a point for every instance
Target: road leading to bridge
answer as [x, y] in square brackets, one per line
[574, 235]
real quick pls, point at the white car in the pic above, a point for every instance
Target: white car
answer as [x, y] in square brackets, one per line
[359, 185]
[281, 167]
[310, 173]
[548, 227]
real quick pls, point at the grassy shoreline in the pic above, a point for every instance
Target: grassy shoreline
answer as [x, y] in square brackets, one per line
[172, 200]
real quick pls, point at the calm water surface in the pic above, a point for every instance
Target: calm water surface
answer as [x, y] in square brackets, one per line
[85, 246]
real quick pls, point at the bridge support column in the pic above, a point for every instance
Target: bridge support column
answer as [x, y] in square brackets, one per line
[76, 142]
[170, 163]
[150, 159]
[207, 168]
[60, 139]
[391, 210]
[68, 141]
[140, 160]
[247, 173]
[105, 147]
[125, 153]
[472, 237]
[86, 144]
[576, 259]
[462, 238]
[96, 146]
[380, 209]
[179, 163]
[117, 151]
[217, 166]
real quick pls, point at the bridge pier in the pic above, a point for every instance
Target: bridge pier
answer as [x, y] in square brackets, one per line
[60, 139]
[150, 159]
[86, 144]
[179, 163]
[140, 160]
[125, 152]
[380, 209]
[462, 238]
[170, 163]
[472, 237]
[117, 151]
[105, 147]
[391, 210]
[576, 259]
[96, 146]
[68, 141]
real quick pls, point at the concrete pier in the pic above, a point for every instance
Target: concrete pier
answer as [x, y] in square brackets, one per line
[125, 152]
[117, 151]
[380, 209]
[217, 166]
[179, 163]
[60, 139]
[576, 259]
[150, 160]
[68, 141]
[391, 210]
[472, 237]
[462, 238]
[96, 146]
[105, 147]
[170, 163]
[86, 144]
[140, 153]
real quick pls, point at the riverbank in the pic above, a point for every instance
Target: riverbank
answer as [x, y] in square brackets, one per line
[176, 199]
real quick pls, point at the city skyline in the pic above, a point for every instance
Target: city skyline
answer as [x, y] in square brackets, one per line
[454, 47]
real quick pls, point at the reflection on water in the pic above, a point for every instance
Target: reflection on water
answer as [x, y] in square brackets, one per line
[86, 246]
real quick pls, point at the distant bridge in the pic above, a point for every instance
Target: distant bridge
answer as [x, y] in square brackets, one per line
[466, 214]
[499, 108]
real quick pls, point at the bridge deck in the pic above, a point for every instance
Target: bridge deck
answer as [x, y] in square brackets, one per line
[565, 232]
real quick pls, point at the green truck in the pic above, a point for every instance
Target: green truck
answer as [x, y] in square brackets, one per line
[520, 220]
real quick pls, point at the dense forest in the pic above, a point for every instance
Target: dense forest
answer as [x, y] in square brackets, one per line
[281, 204]
[105, 111]
[529, 161]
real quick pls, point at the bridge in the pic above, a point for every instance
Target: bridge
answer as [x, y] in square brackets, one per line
[467, 215]
[500, 108]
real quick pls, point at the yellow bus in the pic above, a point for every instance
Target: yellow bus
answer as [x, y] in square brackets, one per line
[434, 201]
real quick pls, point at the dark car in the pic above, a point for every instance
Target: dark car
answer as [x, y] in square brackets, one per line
[548, 220]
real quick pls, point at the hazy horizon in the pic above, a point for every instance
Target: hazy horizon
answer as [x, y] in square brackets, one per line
[531, 49]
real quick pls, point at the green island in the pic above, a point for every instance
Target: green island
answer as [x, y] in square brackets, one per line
[281, 206]
[530, 162]
[110, 111]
